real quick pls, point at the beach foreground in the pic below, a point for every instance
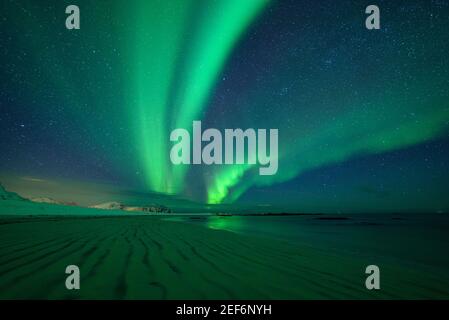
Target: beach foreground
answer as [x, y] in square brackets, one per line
[148, 257]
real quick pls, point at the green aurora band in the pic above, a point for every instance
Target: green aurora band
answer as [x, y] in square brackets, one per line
[139, 69]
[174, 82]
[176, 79]
[389, 118]
[374, 137]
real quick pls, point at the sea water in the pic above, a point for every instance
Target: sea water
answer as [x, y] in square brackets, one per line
[415, 239]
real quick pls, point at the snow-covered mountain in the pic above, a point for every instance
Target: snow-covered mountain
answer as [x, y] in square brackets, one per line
[6, 195]
[119, 206]
[52, 201]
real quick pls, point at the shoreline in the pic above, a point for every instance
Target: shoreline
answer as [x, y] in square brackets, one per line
[135, 258]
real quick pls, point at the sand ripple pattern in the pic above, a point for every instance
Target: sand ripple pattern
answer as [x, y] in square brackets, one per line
[149, 258]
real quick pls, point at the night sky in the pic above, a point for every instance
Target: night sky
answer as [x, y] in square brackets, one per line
[363, 115]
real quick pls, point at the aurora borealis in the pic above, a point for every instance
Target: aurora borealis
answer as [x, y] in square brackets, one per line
[215, 27]
[363, 115]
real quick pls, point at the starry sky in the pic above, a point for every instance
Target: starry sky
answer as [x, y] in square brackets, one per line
[363, 115]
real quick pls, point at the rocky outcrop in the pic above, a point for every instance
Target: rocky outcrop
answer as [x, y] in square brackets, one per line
[152, 208]
[109, 206]
[119, 206]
